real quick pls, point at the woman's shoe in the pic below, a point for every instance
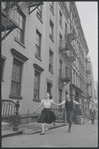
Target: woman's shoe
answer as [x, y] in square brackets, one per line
[42, 133]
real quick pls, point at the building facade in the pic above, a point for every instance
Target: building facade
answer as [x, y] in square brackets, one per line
[45, 52]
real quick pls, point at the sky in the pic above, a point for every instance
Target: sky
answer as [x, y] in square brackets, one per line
[88, 13]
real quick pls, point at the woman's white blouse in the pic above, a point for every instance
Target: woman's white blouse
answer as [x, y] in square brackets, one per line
[47, 103]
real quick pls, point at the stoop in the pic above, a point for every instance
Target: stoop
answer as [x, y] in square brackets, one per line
[5, 126]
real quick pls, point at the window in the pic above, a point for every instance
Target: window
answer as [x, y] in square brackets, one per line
[65, 28]
[76, 79]
[16, 78]
[66, 72]
[60, 21]
[39, 12]
[50, 61]
[49, 87]
[60, 37]
[19, 18]
[60, 98]
[60, 69]
[38, 43]
[51, 29]
[2, 67]
[37, 70]
[36, 85]
[74, 76]
[52, 6]
[71, 27]
[18, 61]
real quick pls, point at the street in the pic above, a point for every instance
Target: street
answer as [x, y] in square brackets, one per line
[85, 135]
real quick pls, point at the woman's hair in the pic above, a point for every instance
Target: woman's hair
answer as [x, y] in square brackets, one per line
[51, 97]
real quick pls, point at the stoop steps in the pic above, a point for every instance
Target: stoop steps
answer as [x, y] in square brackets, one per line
[5, 126]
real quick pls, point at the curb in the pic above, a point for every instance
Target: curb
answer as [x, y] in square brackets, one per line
[12, 134]
[57, 126]
[21, 131]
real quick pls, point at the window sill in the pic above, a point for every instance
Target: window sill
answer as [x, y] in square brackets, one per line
[19, 42]
[39, 18]
[38, 57]
[51, 38]
[37, 100]
[15, 97]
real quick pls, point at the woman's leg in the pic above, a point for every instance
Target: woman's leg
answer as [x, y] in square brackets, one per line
[42, 127]
[42, 133]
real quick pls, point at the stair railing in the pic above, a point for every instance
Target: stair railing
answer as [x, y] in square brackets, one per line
[10, 112]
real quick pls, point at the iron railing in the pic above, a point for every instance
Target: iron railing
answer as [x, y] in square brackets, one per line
[60, 115]
[9, 112]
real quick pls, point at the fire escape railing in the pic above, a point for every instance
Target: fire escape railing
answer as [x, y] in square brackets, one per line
[66, 47]
[7, 23]
[64, 76]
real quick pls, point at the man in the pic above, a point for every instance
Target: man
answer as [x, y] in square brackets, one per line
[69, 109]
[92, 114]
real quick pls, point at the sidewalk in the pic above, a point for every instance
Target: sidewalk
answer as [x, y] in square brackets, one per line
[30, 128]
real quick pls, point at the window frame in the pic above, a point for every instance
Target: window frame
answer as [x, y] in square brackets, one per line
[52, 6]
[19, 32]
[49, 87]
[21, 59]
[38, 84]
[60, 18]
[60, 99]
[50, 61]
[51, 33]
[40, 12]
[2, 63]
[20, 64]
[66, 29]
[60, 68]
[38, 47]
[39, 70]
[60, 37]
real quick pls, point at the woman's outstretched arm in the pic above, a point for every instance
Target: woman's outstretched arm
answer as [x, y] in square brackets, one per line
[59, 104]
[62, 103]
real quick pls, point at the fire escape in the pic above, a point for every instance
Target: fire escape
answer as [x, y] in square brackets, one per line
[8, 22]
[89, 82]
[67, 49]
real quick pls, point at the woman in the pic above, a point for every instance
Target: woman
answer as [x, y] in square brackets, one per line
[47, 116]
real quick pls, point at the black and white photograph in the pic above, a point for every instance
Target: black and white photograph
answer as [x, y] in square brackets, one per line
[49, 74]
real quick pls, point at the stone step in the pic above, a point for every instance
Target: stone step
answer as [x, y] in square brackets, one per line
[5, 126]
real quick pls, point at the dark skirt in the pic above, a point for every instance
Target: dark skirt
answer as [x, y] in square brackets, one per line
[47, 116]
